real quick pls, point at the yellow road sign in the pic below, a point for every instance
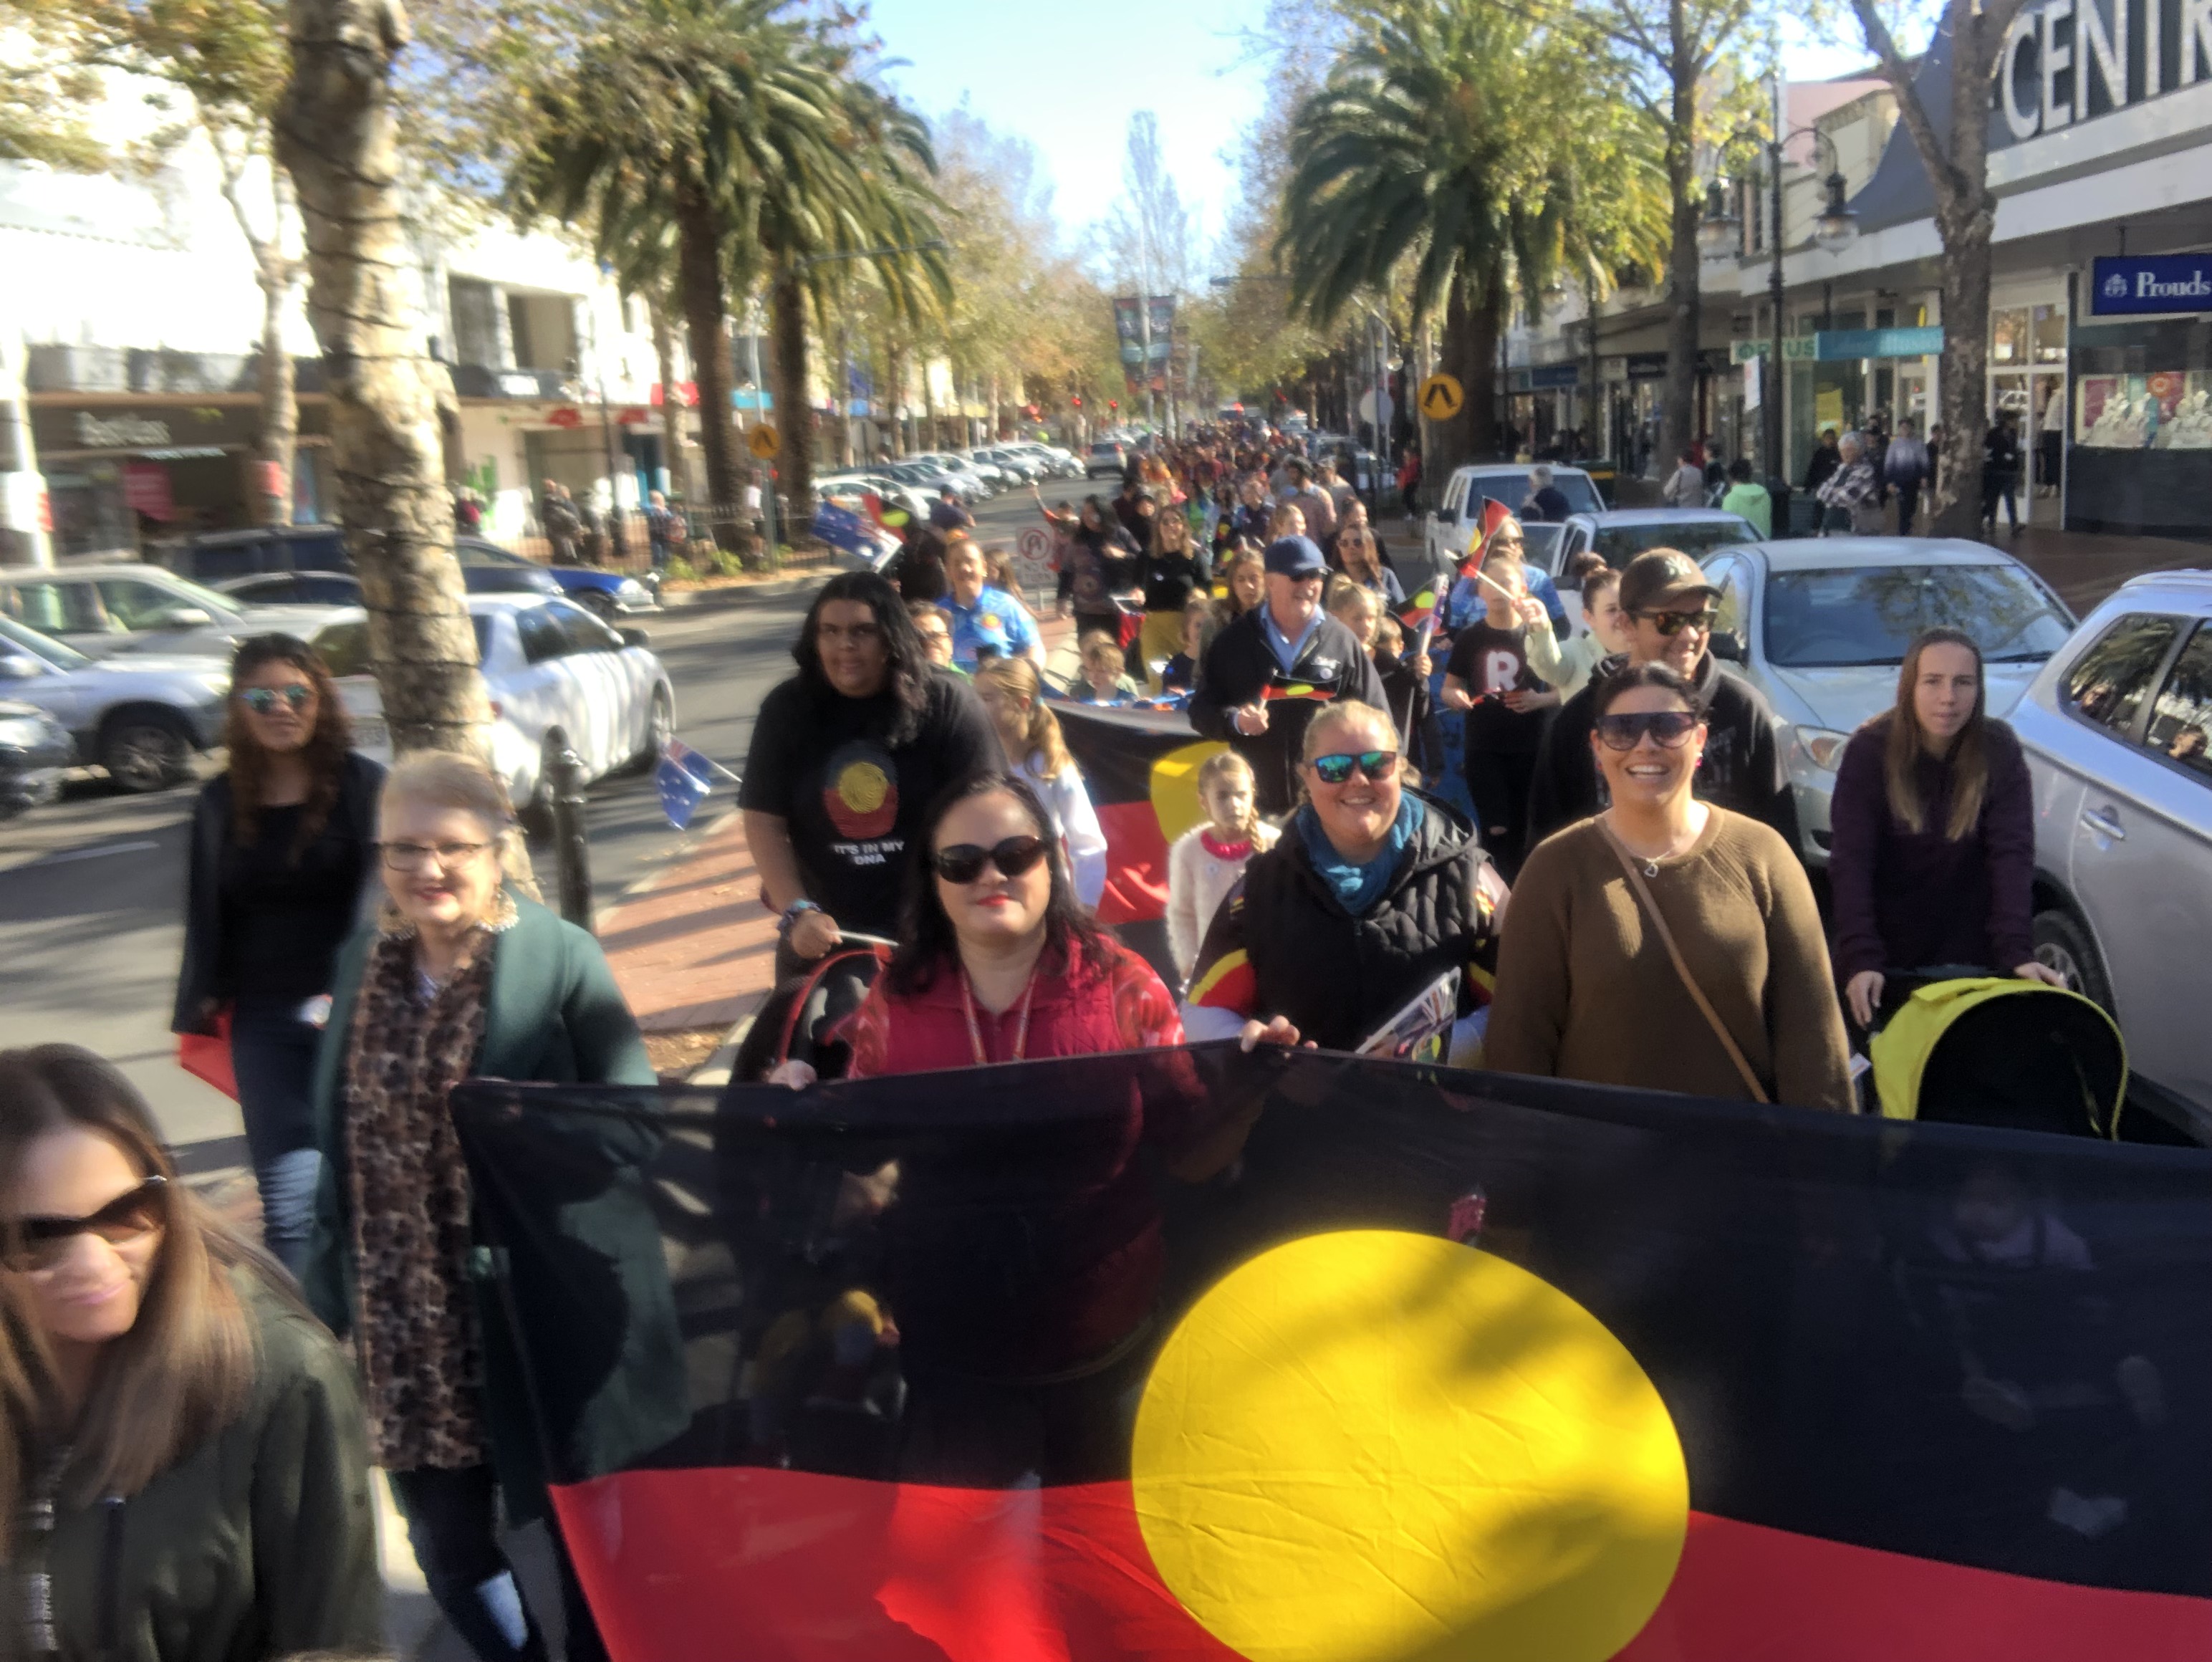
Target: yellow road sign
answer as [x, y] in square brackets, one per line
[764, 442]
[1441, 397]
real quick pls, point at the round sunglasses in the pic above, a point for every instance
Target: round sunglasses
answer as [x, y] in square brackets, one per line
[1669, 729]
[43, 1243]
[963, 862]
[263, 700]
[1336, 767]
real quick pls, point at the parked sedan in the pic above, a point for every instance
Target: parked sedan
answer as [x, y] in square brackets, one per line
[142, 717]
[120, 607]
[558, 679]
[2118, 728]
[1105, 457]
[1620, 534]
[488, 569]
[343, 589]
[34, 751]
[1821, 627]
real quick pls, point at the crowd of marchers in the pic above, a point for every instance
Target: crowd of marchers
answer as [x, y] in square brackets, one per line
[188, 1417]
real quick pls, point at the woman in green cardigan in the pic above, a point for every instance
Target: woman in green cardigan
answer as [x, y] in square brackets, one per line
[459, 977]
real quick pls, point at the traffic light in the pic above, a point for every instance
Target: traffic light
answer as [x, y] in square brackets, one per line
[1113, 404]
[1078, 401]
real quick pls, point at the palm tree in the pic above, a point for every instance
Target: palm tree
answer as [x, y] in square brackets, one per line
[1439, 151]
[711, 116]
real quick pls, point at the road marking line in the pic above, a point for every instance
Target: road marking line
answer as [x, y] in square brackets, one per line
[59, 855]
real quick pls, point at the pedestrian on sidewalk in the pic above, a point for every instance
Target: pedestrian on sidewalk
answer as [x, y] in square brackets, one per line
[459, 977]
[1013, 694]
[283, 855]
[1668, 604]
[1748, 499]
[1282, 646]
[1667, 942]
[1933, 821]
[846, 758]
[1906, 470]
[664, 530]
[1852, 498]
[1686, 485]
[2001, 473]
[1827, 456]
[183, 1475]
[1374, 893]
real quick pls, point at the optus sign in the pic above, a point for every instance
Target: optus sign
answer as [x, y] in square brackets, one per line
[2130, 285]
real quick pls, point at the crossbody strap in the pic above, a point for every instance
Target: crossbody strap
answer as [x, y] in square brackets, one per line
[1690, 983]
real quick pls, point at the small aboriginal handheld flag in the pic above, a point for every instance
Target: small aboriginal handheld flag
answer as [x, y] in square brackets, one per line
[1189, 1355]
[1494, 513]
[1421, 609]
[1300, 691]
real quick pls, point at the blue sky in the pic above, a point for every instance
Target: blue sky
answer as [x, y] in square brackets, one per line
[1067, 77]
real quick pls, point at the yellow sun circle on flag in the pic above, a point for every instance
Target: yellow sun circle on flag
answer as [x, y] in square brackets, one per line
[1377, 1447]
[862, 786]
[1175, 802]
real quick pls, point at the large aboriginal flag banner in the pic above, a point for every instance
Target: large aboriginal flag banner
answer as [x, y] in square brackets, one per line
[1195, 1356]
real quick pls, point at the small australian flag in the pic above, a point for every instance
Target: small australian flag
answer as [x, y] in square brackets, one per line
[684, 777]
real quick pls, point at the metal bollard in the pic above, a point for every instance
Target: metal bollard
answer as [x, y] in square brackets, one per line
[572, 853]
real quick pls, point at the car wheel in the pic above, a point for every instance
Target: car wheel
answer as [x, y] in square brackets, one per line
[659, 728]
[2061, 943]
[599, 602]
[145, 751]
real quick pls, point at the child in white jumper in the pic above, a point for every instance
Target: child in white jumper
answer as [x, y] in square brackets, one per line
[1206, 862]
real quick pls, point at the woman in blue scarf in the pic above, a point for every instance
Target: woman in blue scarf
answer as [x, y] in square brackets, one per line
[1374, 893]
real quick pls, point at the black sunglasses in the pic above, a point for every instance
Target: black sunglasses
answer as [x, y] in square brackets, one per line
[42, 1243]
[963, 862]
[1671, 624]
[1670, 729]
[262, 700]
[1335, 769]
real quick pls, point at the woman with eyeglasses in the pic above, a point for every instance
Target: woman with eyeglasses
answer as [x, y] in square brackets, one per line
[1373, 893]
[1668, 942]
[282, 856]
[458, 977]
[182, 1469]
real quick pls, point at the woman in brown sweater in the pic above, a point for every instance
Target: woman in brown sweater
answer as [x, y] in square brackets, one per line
[1586, 987]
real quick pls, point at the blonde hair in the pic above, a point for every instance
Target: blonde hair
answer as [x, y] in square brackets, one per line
[1228, 764]
[1336, 715]
[451, 779]
[1344, 593]
[1098, 647]
[1019, 676]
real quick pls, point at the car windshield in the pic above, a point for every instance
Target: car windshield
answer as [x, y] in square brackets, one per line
[1620, 544]
[1540, 545]
[1512, 488]
[217, 605]
[46, 650]
[1869, 614]
[345, 647]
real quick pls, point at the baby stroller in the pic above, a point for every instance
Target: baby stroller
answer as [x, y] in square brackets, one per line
[1999, 1051]
[801, 1019]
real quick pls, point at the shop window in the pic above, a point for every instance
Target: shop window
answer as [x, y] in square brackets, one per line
[2108, 684]
[2049, 334]
[2181, 721]
[2165, 409]
[2008, 338]
[476, 322]
[544, 331]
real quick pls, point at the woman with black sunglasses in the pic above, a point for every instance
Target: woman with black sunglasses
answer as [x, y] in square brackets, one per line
[1668, 942]
[280, 861]
[1373, 894]
[997, 961]
[183, 1471]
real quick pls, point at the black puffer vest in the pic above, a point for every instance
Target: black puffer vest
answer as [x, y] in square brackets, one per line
[1339, 977]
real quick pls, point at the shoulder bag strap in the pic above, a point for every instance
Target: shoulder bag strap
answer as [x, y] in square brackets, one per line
[1690, 983]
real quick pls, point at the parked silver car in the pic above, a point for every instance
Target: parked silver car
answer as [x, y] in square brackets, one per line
[120, 607]
[1621, 533]
[2118, 730]
[140, 715]
[1821, 627]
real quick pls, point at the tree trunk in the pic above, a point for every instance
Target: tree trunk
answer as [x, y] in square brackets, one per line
[699, 272]
[894, 366]
[1678, 412]
[1473, 316]
[671, 402]
[274, 452]
[842, 394]
[1965, 229]
[335, 135]
[794, 415]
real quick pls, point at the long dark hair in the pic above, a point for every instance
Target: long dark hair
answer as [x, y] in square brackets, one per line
[928, 944]
[907, 670]
[325, 751]
[1905, 744]
[185, 1368]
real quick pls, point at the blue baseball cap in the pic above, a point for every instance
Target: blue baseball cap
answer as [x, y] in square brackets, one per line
[1295, 557]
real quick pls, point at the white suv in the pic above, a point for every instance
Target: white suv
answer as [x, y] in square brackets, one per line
[2119, 732]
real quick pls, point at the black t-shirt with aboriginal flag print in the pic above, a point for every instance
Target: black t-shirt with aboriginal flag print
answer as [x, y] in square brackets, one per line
[852, 802]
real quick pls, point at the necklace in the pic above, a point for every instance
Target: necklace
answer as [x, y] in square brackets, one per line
[1650, 862]
[975, 1033]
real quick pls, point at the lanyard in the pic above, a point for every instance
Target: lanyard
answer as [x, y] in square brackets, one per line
[976, 1033]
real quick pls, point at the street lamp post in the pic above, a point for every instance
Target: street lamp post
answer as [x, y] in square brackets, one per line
[1835, 230]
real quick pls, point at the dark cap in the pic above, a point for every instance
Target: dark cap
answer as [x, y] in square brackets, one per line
[1295, 557]
[1660, 577]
